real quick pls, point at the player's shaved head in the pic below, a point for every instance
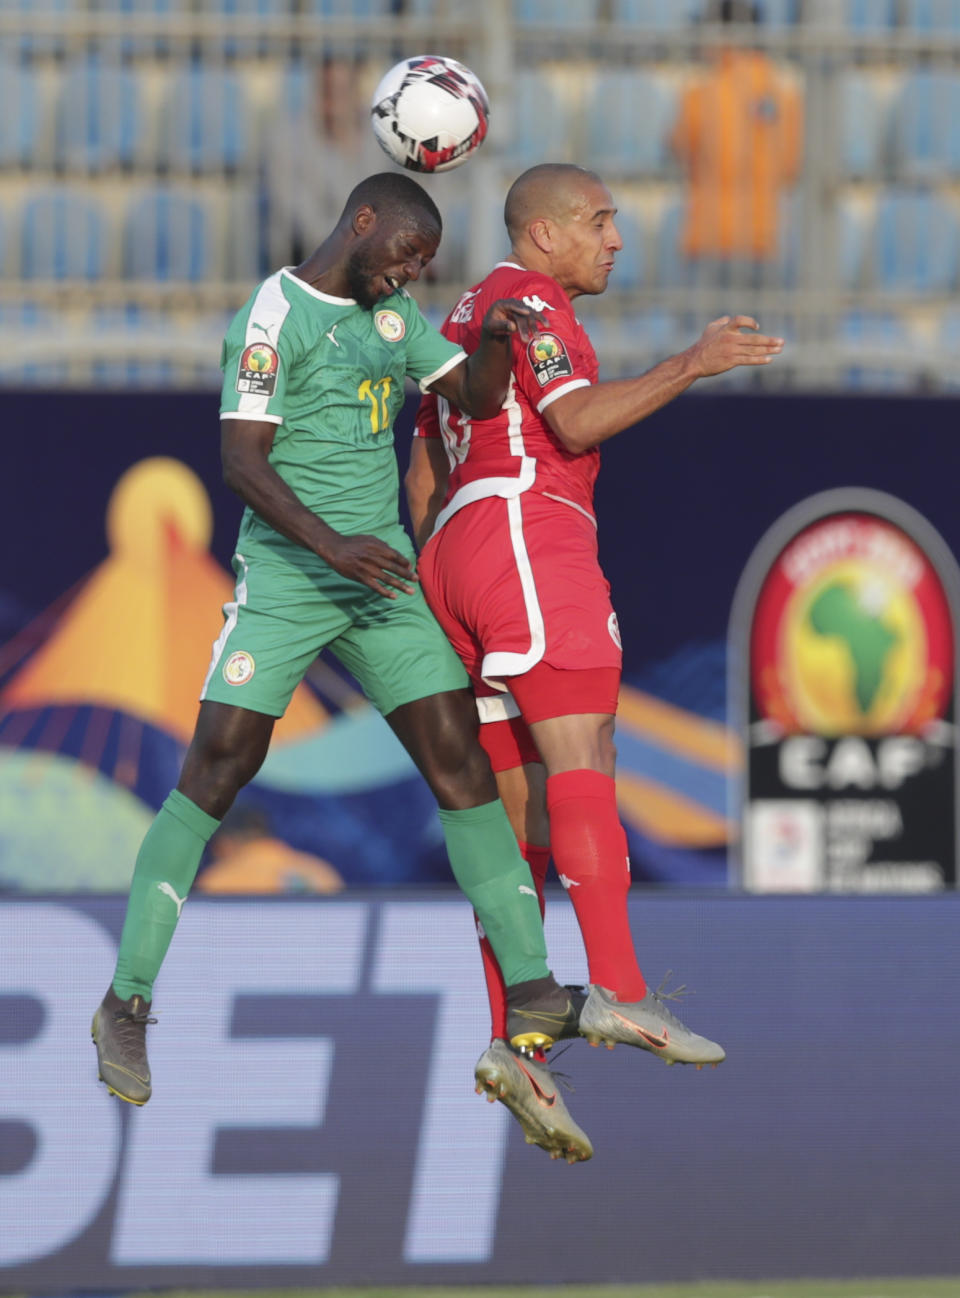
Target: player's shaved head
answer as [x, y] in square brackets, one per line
[552, 189]
[395, 196]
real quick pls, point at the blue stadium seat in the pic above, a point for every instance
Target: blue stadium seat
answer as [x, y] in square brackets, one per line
[353, 8]
[628, 345]
[558, 13]
[629, 116]
[44, 42]
[63, 235]
[660, 15]
[542, 126]
[874, 347]
[926, 126]
[932, 15]
[863, 125]
[168, 236]
[100, 118]
[673, 268]
[869, 15]
[205, 123]
[631, 261]
[778, 13]
[21, 117]
[855, 221]
[916, 244]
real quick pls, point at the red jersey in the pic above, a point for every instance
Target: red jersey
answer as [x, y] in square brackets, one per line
[516, 451]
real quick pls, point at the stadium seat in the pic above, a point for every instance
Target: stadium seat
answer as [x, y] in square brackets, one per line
[168, 236]
[778, 13]
[629, 114]
[559, 13]
[631, 261]
[542, 125]
[869, 15]
[63, 235]
[205, 123]
[21, 117]
[673, 268]
[660, 15]
[629, 344]
[932, 15]
[855, 218]
[916, 244]
[926, 126]
[863, 125]
[352, 8]
[100, 119]
[875, 348]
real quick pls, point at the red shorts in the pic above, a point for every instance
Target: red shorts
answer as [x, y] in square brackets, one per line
[518, 589]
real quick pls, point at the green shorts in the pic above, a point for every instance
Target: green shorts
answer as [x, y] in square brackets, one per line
[288, 605]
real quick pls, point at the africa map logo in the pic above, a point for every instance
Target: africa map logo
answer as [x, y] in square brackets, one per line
[852, 632]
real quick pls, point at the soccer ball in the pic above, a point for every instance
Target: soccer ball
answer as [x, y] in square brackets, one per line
[430, 113]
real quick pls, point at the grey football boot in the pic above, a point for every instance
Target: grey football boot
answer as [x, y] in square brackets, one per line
[541, 1012]
[648, 1024]
[529, 1091]
[119, 1032]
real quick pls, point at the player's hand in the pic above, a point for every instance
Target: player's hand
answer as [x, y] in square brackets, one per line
[722, 346]
[511, 316]
[371, 562]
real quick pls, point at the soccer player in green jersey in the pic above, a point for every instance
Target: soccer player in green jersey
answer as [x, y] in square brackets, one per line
[314, 367]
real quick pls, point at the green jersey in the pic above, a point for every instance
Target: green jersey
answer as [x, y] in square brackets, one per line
[330, 375]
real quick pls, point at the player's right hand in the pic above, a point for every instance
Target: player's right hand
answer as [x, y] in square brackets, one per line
[371, 562]
[722, 346]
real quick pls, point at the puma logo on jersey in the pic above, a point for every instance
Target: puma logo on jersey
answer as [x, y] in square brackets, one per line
[263, 328]
[530, 892]
[569, 883]
[330, 333]
[168, 891]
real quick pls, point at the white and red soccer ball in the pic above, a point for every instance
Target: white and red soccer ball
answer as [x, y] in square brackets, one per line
[430, 113]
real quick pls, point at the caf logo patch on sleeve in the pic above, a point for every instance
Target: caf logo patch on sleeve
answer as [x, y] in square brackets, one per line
[548, 358]
[257, 373]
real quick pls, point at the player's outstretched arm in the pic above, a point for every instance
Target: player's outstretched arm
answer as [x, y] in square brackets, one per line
[479, 385]
[244, 447]
[590, 415]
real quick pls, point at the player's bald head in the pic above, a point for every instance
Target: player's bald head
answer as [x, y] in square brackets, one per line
[552, 190]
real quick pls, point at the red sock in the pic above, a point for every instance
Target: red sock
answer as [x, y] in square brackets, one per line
[590, 854]
[537, 858]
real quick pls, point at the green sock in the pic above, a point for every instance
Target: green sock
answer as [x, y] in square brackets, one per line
[166, 867]
[487, 865]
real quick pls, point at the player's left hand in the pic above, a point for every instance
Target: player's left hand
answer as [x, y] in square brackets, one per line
[511, 316]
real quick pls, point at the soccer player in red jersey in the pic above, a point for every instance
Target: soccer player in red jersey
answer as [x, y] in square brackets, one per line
[503, 509]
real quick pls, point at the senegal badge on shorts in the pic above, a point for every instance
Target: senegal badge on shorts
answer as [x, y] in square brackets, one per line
[239, 668]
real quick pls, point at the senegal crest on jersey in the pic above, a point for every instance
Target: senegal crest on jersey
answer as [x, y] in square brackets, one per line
[390, 326]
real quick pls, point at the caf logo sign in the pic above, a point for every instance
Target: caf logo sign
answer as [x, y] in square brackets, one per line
[851, 632]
